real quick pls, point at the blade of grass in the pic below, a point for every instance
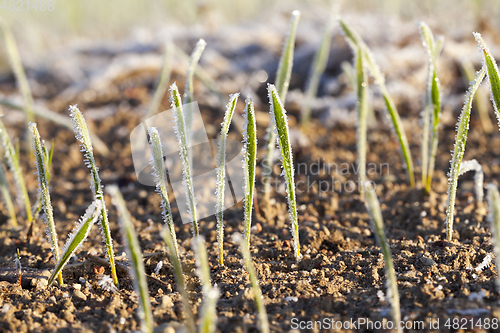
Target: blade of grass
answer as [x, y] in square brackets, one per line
[318, 67]
[355, 41]
[13, 163]
[474, 165]
[180, 131]
[494, 219]
[77, 237]
[45, 194]
[82, 135]
[458, 152]
[282, 82]
[254, 282]
[493, 76]
[373, 207]
[249, 165]
[134, 254]
[161, 181]
[180, 280]
[17, 68]
[221, 173]
[480, 101]
[362, 108]
[163, 80]
[7, 200]
[280, 123]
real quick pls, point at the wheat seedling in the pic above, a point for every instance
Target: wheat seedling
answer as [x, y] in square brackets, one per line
[44, 192]
[254, 282]
[7, 200]
[458, 152]
[280, 125]
[362, 108]
[221, 173]
[82, 135]
[481, 99]
[162, 84]
[17, 68]
[180, 131]
[474, 165]
[161, 182]
[282, 82]
[494, 219]
[136, 260]
[318, 67]
[493, 76]
[249, 164]
[180, 279]
[48, 157]
[13, 162]
[19, 268]
[432, 108]
[355, 41]
[208, 317]
[373, 207]
[77, 237]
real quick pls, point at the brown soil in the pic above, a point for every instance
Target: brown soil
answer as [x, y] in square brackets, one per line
[342, 272]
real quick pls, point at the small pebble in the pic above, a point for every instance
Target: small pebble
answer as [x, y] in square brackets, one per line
[79, 296]
[77, 286]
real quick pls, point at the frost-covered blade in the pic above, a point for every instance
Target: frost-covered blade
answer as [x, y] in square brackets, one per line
[221, 173]
[77, 237]
[494, 219]
[280, 122]
[7, 199]
[474, 165]
[362, 109]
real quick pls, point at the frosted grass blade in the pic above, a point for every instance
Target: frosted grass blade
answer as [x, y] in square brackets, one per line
[7, 200]
[493, 76]
[13, 164]
[77, 237]
[473, 165]
[355, 41]
[163, 80]
[373, 207]
[458, 152]
[161, 182]
[208, 316]
[494, 219]
[480, 101]
[189, 87]
[17, 68]
[249, 165]
[48, 157]
[180, 131]
[82, 135]
[221, 173]
[432, 108]
[362, 108]
[180, 280]
[134, 254]
[282, 82]
[44, 192]
[280, 123]
[254, 282]
[318, 67]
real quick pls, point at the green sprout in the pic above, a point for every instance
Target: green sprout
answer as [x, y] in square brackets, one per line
[362, 108]
[48, 157]
[136, 260]
[184, 151]
[355, 42]
[7, 200]
[254, 282]
[13, 162]
[161, 182]
[249, 164]
[373, 207]
[280, 123]
[432, 108]
[82, 135]
[458, 152]
[44, 191]
[221, 173]
[318, 67]
[494, 219]
[283, 76]
[77, 237]
[474, 165]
